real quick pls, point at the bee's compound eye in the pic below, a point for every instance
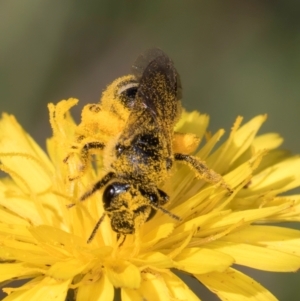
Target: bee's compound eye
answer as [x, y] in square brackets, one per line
[111, 191]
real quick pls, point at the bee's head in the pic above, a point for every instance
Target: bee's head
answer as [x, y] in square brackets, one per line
[127, 207]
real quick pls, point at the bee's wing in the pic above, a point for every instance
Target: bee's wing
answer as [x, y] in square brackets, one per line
[156, 106]
[158, 89]
[144, 61]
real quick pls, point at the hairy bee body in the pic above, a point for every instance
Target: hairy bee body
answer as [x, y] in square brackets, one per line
[138, 148]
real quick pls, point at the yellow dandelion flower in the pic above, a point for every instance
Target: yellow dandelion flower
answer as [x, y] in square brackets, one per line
[45, 242]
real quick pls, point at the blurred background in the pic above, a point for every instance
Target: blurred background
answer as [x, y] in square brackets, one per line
[234, 58]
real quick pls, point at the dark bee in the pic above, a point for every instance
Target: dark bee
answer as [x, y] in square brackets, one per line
[142, 154]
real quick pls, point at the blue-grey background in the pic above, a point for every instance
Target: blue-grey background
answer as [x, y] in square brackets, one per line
[234, 57]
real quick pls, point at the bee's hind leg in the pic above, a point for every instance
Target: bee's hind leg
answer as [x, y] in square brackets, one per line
[84, 156]
[202, 170]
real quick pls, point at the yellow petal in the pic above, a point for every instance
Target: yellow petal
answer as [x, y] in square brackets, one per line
[238, 142]
[242, 173]
[63, 128]
[156, 259]
[278, 177]
[100, 290]
[192, 122]
[271, 158]
[152, 235]
[276, 238]
[237, 217]
[235, 286]
[8, 217]
[258, 257]
[267, 141]
[178, 289]
[60, 119]
[56, 236]
[210, 144]
[30, 168]
[48, 289]
[26, 253]
[66, 269]
[200, 221]
[23, 207]
[15, 232]
[201, 260]
[131, 295]
[154, 286]
[14, 270]
[123, 274]
[160, 287]
[291, 213]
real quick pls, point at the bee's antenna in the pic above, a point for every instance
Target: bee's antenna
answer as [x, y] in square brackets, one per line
[167, 212]
[96, 228]
[98, 185]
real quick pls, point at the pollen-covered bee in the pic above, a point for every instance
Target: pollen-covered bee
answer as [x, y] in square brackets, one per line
[142, 110]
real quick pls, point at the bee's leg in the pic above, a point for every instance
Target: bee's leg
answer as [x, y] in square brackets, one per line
[123, 240]
[91, 145]
[85, 152]
[84, 155]
[96, 228]
[156, 200]
[98, 185]
[202, 170]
